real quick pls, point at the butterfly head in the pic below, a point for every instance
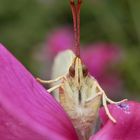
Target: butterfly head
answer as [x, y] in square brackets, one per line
[78, 70]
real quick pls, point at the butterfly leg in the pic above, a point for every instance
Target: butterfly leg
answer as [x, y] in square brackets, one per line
[50, 81]
[106, 108]
[112, 102]
[93, 97]
[54, 88]
[105, 99]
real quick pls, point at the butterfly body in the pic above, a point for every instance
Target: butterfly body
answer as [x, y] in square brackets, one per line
[83, 114]
[78, 92]
[76, 95]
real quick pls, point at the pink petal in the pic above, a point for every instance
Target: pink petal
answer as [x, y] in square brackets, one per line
[27, 111]
[127, 126]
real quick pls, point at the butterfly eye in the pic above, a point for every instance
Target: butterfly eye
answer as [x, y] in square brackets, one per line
[72, 71]
[85, 71]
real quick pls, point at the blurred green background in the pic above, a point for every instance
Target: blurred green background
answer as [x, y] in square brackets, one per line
[25, 25]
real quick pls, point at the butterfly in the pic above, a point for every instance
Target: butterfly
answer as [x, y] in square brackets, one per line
[75, 89]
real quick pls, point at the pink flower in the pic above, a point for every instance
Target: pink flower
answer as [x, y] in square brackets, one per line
[27, 111]
[100, 59]
[101, 55]
[59, 40]
[127, 126]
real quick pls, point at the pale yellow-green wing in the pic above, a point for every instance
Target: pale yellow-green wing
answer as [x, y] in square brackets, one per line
[61, 66]
[62, 63]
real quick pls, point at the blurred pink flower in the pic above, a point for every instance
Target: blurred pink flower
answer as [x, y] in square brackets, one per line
[59, 40]
[100, 59]
[101, 55]
[27, 111]
[128, 123]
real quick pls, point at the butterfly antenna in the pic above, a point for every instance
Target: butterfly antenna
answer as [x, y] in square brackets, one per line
[75, 8]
